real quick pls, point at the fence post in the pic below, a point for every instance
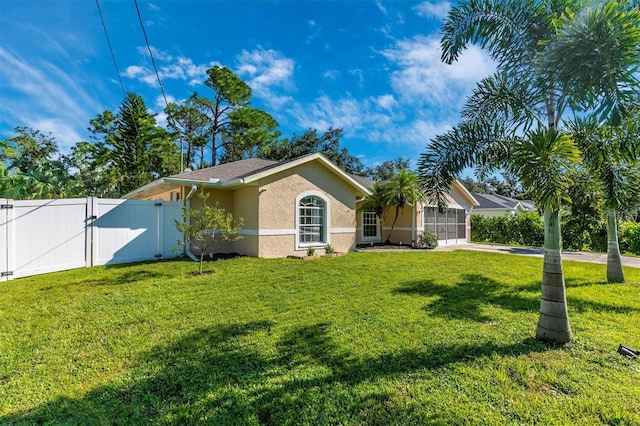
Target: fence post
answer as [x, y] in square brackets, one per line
[159, 213]
[7, 241]
[92, 211]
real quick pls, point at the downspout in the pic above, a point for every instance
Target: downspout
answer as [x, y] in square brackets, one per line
[187, 202]
[413, 225]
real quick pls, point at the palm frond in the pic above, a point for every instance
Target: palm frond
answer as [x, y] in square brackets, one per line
[508, 30]
[470, 144]
[498, 98]
[545, 160]
[596, 52]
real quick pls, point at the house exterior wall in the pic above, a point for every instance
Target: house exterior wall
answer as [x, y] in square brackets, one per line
[404, 231]
[278, 196]
[245, 205]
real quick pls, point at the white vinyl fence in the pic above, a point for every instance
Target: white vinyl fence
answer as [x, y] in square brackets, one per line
[40, 236]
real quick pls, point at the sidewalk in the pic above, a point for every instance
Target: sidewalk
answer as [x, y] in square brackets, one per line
[633, 262]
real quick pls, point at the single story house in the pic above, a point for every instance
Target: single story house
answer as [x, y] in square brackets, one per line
[305, 202]
[491, 205]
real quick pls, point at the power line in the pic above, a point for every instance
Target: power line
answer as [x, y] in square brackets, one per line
[113, 57]
[153, 62]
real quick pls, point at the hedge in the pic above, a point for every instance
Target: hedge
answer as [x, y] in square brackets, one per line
[527, 229]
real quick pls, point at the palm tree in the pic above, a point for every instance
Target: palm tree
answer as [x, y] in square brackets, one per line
[611, 155]
[376, 201]
[46, 179]
[525, 93]
[605, 87]
[401, 190]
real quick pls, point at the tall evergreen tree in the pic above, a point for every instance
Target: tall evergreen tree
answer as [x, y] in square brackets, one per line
[130, 150]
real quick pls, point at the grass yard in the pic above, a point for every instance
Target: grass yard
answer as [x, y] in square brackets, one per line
[369, 338]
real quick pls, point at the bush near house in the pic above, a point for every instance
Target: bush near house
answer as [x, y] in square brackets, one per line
[630, 238]
[525, 229]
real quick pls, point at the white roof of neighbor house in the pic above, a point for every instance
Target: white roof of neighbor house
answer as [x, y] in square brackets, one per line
[495, 201]
[240, 173]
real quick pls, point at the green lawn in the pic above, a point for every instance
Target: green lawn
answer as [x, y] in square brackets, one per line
[369, 338]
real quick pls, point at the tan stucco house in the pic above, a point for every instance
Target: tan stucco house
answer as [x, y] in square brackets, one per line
[305, 202]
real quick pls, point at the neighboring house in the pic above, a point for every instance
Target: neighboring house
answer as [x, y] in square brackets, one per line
[498, 205]
[450, 227]
[290, 206]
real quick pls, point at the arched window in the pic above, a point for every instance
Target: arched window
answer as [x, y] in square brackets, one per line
[312, 220]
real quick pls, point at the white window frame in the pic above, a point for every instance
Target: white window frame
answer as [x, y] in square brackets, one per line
[327, 219]
[362, 226]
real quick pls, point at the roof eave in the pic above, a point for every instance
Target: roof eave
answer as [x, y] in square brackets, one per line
[302, 160]
[466, 193]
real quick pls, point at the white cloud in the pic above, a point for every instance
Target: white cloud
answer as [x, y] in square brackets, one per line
[134, 71]
[422, 78]
[385, 101]
[169, 68]
[265, 70]
[158, 55]
[437, 10]
[331, 74]
[381, 7]
[50, 97]
[62, 131]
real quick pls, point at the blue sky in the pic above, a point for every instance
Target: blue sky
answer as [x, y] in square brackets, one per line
[370, 67]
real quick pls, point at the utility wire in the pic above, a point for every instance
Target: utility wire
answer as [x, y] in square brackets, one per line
[113, 57]
[153, 62]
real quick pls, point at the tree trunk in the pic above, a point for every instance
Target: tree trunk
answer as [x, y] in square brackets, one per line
[615, 274]
[553, 322]
[393, 225]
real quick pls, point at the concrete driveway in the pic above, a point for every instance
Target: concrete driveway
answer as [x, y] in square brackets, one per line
[633, 262]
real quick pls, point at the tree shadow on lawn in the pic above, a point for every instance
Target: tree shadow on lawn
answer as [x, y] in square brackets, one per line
[213, 376]
[465, 299]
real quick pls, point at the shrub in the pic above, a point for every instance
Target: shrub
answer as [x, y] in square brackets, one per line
[427, 239]
[597, 239]
[328, 249]
[529, 227]
[311, 251]
[526, 228]
[629, 239]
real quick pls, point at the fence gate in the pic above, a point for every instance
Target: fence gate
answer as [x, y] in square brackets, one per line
[132, 230]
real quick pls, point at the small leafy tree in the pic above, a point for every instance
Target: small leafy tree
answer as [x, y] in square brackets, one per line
[203, 227]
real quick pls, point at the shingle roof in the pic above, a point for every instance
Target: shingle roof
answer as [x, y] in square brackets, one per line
[495, 201]
[234, 170]
[366, 182]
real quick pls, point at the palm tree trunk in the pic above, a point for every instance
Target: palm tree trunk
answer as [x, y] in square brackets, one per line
[615, 274]
[393, 225]
[553, 323]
